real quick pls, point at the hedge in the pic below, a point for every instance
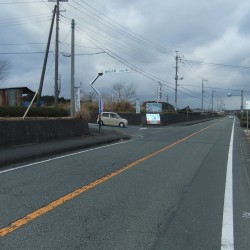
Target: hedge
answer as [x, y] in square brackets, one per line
[33, 112]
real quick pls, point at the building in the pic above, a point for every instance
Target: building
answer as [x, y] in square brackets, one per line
[13, 96]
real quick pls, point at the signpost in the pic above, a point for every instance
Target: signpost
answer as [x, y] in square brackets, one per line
[99, 94]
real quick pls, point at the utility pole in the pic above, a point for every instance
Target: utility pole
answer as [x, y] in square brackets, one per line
[159, 92]
[213, 100]
[241, 105]
[56, 54]
[45, 58]
[72, 100]
[202, 93]
[176, 78]
[177, 60]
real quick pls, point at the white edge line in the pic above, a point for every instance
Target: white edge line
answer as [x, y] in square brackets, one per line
[59, 157]
[227, 235]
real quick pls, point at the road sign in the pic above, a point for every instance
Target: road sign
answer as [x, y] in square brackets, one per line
[115, 71]
[247, 105]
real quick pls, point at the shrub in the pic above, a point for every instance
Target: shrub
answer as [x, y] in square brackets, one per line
[83, 114]
[33, 112]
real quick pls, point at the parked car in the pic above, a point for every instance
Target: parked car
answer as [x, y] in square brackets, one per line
[112, 119]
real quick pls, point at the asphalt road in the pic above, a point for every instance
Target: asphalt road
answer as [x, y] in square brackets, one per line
[163, 189]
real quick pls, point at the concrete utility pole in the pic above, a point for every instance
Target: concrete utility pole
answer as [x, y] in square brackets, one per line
[45, 59]
[159, 92]
[72, 100]
[176, 78]
[177, 60]
[202, 92]
[213, 91]
[241, 104]
[56, 54]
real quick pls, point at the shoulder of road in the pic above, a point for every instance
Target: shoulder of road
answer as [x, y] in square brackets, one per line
[27, 152]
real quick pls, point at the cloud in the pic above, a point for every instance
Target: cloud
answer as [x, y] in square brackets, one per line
[143, 37]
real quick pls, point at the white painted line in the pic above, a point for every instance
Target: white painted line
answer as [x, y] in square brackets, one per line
[59, 157]
[227, 236]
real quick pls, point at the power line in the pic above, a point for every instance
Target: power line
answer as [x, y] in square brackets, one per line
[125, 33]
[22, 2]
[216, 64]
[22, 53]
[21, 44]
[129, 32]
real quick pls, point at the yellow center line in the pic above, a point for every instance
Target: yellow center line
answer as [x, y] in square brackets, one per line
[32, 216]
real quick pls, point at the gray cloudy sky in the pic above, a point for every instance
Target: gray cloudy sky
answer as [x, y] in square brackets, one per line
[212, 37]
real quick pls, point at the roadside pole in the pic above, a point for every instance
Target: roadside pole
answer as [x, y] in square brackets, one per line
[247, 123]
[30, 104]
[109, 71]
[247, 108]
[72, 85]
[98, 93]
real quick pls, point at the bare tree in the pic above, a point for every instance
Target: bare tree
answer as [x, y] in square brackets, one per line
[4, 66]
[122, 92]
[89, 96]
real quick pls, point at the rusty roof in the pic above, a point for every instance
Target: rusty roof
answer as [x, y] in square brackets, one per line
[24, 89]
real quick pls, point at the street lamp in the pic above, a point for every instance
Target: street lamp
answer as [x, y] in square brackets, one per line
[100, 100]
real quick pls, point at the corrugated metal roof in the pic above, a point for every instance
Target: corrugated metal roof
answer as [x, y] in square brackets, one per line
[25, 90]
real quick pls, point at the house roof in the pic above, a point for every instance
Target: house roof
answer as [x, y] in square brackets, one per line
[24, 89]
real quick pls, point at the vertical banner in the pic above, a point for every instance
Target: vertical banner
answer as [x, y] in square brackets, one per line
[138, 107]
[77, 99]
[101, 104]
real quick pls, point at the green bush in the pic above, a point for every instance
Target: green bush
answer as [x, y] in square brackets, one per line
[33, 112]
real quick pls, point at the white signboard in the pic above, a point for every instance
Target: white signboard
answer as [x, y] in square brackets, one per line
[115, 71]
[154, 107]
[153, 119]
[247, 105]
[77, 99]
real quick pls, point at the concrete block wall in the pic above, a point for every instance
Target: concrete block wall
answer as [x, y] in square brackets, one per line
[19, 132]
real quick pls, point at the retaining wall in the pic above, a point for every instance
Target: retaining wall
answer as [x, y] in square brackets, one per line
[18, 132]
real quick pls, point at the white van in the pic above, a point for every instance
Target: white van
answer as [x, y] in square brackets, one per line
[113, 119]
